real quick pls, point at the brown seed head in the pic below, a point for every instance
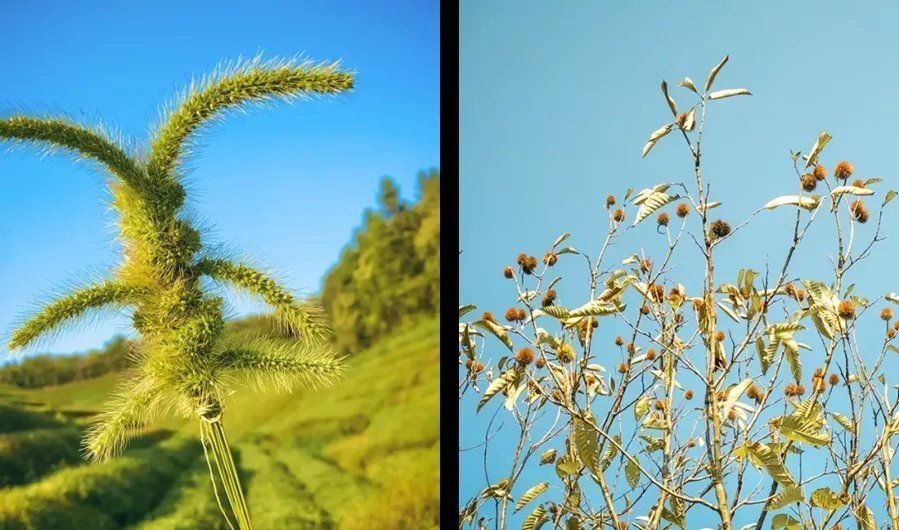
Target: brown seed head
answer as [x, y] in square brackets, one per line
[819, 372]
[658, 292]
[619, 341]
[720, 228]
[522, 259]
[529, 265]
[513, 314]
[659, 405]
[891, 333]
[610, 201]
[790, 289]
[524, 356]
[800, 390]
[645, 265]
[631, 348]
[843, 170]
[688, 395]
[618, 215]
[663, 219]
[622, 368]
[820, 172]
[808, 181]
[650, 354]
[550, 259]
[833, 379]
[488, 317]
[858, 211]
[719, 336]
[681, 119]
[886, 314]
[846, 309]
[476, 367]
[800, 294]
[509, 273]
[682, 210]
[644, 310]
[858, 183]
[548, 298]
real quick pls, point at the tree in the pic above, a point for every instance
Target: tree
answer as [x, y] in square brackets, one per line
[183, 360]
[699, 416]
[390, 270]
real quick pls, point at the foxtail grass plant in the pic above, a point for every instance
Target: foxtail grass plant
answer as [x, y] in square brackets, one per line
[183, 361]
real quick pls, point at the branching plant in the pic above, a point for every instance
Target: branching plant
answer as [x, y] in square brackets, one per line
[184, 361]
[758, 400]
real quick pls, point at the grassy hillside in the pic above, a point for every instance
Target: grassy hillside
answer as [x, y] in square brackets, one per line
[360, 455]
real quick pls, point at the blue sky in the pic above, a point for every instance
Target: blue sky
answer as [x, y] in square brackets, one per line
[557, 101]
[286, 184]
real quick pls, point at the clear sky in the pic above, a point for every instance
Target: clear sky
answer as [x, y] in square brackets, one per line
[286, 183]
[557, 100]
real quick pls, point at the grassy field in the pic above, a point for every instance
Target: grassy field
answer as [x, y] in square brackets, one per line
[361, 455]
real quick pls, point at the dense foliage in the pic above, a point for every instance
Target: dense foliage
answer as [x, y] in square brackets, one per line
[49, 370]
[390, 272]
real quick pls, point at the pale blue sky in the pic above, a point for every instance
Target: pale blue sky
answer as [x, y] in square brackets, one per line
[286, 184]
[557, 100]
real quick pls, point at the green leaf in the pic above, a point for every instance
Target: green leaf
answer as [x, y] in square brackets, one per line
[827, 499]
[784, 521]
[587, 443]
[845, 422]
[865, 518]
[769, 459]
[547, 457]
[497, 385]
[496, 330]
[788, 495]
[595, 308]
[632, 473]
[531, 494]
[650, 201]
[535, 520]
[641, 407]
[556, 311]
[806, 425]
[889, 196]
[466, 308]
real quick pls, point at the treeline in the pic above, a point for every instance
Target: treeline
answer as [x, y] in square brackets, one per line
[48, 370]
[390, 271]
[387, 274]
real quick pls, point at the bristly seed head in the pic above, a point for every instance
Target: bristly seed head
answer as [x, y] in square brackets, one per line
[886, 314]
[843, 170]
[610, 201]
[820, 172]
[524, 356]
[720, 228]
[509, 273]
[618, 215]
[809, 182]
[663, 219]
[846, 309]
[549, 259]
[682, 210]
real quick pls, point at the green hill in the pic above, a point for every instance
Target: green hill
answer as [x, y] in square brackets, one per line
[360, 455]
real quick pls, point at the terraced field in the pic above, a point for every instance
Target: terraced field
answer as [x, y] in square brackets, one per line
[361, 455]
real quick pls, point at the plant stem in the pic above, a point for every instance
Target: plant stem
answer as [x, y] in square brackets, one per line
[215, 444]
